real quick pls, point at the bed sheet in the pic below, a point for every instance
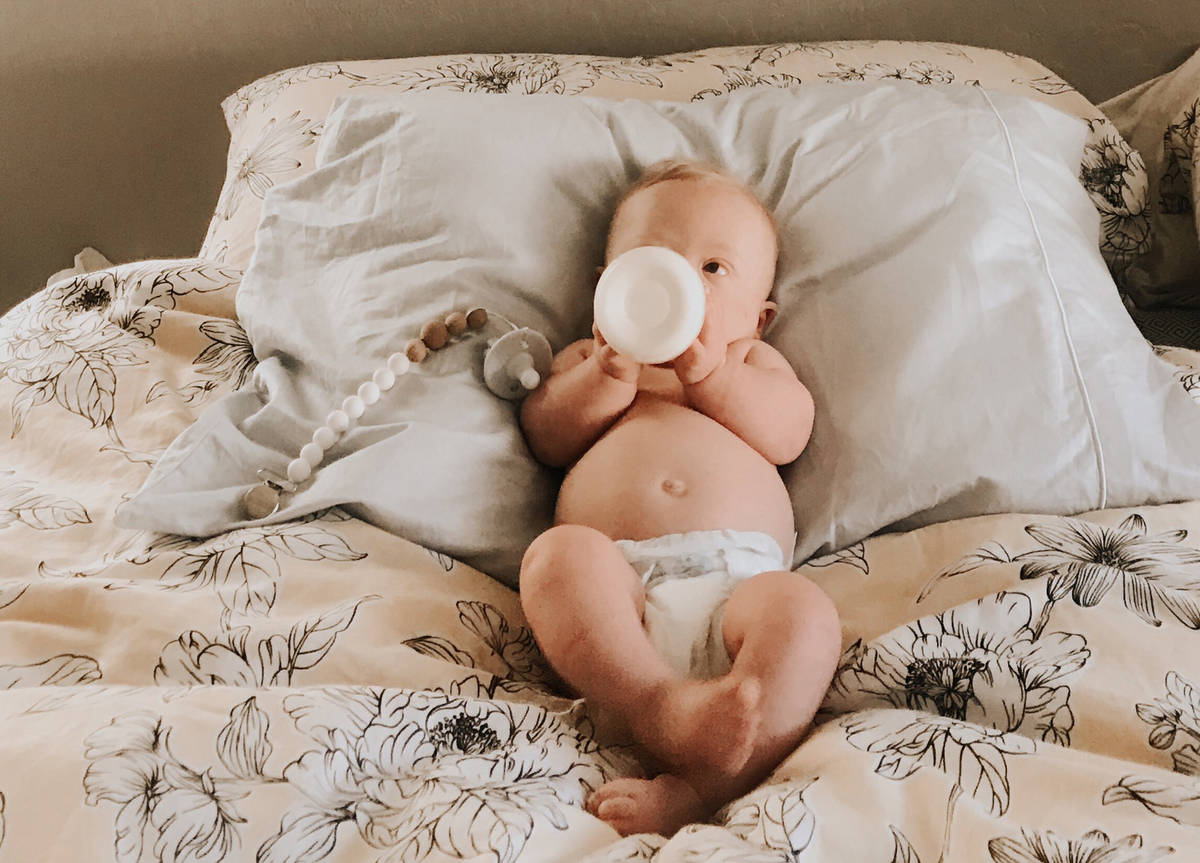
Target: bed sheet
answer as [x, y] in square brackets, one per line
[1013, 687]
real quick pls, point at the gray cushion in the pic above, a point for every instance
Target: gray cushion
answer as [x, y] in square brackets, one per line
[940, 286]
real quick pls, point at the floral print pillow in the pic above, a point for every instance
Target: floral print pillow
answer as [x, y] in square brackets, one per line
[1159, 120]
[274, 122]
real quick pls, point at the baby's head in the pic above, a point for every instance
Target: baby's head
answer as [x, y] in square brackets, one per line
[717, 224]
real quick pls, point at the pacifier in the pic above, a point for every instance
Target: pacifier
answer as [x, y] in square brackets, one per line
[516, 363]
[649, 304]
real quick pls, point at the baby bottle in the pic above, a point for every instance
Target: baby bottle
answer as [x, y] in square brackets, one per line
[649, 304]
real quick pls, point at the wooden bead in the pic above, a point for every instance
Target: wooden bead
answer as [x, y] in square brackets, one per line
[434, 335]
[456, 323]
[476, 318]
[415, 350]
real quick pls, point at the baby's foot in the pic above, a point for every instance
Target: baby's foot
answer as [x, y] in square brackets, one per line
[702, 724]
[660, 805]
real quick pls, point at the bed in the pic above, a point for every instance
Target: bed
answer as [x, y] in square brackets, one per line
[1015, 685]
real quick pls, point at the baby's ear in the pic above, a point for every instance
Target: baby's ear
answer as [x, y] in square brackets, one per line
[765, 315]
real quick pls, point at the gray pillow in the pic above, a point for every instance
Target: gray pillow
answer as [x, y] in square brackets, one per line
[940, 286]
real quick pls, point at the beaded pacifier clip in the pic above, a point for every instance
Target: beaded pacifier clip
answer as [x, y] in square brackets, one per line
[515, 363]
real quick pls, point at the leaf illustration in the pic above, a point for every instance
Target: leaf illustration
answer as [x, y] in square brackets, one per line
[308, 541]
[44, 512]
[852, 555]
[989, 552]
[1179, 802]
[486, 621]
[1051, 85]
[903, 851]
[87, 387]
[440, 648]
[242, 745]
[28, 398]
[245, 576]
[445, 561]
[983, 774]
[311, 641]
[779, 820]
[11, 592]
[305, 836]
[66, 669]
[2, 804]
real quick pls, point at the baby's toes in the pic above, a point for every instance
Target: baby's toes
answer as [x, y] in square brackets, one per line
[614, 788]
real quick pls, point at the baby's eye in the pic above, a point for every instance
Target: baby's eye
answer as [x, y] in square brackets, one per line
[716, 268]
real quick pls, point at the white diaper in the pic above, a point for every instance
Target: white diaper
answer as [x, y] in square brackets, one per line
[688, 577]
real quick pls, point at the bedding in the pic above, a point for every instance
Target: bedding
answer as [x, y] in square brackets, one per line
[1014, 687]
[979, 269]
[1158, 118]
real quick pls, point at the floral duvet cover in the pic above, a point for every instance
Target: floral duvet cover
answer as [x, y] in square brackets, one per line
[1013, 687]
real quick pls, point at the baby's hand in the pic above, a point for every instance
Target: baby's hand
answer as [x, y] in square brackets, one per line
[707, 353]
[613, 364]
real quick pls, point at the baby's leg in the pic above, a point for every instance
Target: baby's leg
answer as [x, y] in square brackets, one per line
[785, 639]
[585, 604]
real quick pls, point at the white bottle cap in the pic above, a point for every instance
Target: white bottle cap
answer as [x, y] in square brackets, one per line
[649, 304]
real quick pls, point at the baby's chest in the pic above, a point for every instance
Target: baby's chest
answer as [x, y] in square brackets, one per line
[661, 384]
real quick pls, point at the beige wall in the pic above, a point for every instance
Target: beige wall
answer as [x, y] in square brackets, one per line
[111, 134]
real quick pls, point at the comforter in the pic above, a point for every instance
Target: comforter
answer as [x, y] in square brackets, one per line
[1016, 687]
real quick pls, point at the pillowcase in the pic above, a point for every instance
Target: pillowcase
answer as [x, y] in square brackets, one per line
[939, 285]
[1159, 118]
[276, 121]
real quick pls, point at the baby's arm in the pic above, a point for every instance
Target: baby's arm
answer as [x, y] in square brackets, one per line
[756, 395]
[588, 389]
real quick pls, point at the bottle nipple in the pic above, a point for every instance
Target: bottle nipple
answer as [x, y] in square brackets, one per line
[649, 304]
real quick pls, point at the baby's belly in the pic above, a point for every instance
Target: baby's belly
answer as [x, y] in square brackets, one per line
[664, 468]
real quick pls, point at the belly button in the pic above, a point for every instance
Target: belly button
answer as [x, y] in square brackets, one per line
[674, 487]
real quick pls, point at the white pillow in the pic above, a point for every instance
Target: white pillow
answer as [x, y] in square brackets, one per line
[940, 291]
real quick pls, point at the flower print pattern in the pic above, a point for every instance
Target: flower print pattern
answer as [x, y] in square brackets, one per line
[1175, 717]
[737, 78]
[19, 503]
[233, 659]
[228, 361]
[189, 814]
[419, 772]
[972, 756]
[852, 555]
[268, 88]
[775, 817]
[1092, 847]
[1114, 176]
[254, 170]
[920, 71]
[1177, 801]
[980, 663]
[513, 646]
[524, 73]
[1179, 152]
[67, 669]
[242, 566]
[244, 745]
[1051, 85]
[638, 848]
[65, 344]
[1085, 560]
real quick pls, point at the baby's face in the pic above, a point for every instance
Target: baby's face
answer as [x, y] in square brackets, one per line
[720, 230]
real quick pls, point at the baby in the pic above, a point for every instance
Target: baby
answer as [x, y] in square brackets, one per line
[662, 594]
